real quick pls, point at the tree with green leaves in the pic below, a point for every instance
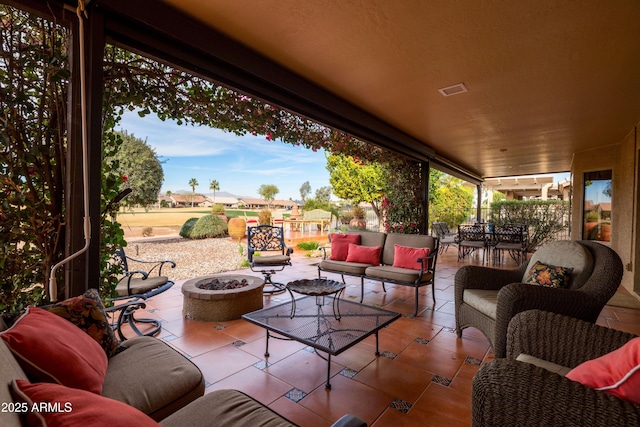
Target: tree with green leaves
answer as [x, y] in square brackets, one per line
[323, 194]
[305, 190]
[268, 192]
[215, 186]
[355, 180]
[138, 162]
[193, 183]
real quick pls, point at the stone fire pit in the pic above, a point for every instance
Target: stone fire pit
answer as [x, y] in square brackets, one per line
[221, 305]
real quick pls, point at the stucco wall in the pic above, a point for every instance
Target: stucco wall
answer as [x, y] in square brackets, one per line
[621, 159]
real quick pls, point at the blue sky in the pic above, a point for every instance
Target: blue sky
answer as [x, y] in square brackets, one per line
[239, 163]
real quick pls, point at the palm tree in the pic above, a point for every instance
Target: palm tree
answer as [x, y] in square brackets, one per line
[193, 183]
[215, 186]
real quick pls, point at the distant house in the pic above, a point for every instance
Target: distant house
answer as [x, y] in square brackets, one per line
[226, 201]
[261, 204]
[187, 200]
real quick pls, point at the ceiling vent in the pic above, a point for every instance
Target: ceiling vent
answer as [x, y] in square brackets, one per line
[453, 90]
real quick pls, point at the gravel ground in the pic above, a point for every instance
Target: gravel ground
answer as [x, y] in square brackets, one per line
[193, 258]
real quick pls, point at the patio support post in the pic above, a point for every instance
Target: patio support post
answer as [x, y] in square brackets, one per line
[425, 167]
[84, 271]
[479, 206]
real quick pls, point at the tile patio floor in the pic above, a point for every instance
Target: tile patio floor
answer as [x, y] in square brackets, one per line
[422, 379]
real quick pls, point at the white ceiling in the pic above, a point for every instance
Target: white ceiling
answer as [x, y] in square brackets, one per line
[545, 78]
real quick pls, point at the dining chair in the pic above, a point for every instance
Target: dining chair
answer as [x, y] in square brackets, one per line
[510, 238]
[472, 237]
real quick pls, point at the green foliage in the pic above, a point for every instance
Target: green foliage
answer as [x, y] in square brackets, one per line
[264, 217]
[208, 226]
[451, 202]
[544, 218]
[217, 208]
[402, 203]
[34, 72]
[305, 190]
[268, 192]
[323, 194]
[308, 246]
[139, 163]
[357, 181]
[215, 186]
[187, 227]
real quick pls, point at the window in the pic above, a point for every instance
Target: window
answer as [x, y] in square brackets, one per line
[597, 206]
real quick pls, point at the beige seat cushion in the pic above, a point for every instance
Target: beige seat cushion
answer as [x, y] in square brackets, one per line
[170, 381]
[565, 253]
[397, 274]
[352, 268]
[483, 300]
[225, 408]
[140, 286]
[549, 366]
[270, 260]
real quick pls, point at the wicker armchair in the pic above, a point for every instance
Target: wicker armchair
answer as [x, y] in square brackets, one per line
[503, 289]
[507, 392]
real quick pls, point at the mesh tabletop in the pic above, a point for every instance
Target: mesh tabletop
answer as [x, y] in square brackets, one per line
[316, 326]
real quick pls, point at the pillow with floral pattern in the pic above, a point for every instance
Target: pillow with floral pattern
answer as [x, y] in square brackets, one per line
[547, 275]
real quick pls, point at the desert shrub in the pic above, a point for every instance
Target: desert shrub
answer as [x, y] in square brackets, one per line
[147, 232]
[264, 217]
[346, 217]
[209, 226]
[308, 246]
[217, 208]
[544, 218]
[185, 230]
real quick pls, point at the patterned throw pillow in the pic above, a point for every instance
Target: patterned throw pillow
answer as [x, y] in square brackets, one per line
[549, 276]
[87, 312]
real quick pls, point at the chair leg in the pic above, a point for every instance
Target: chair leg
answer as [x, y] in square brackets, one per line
[276, 287]
[127, 316]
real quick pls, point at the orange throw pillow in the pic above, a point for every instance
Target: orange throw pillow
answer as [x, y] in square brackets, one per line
[364, 254]
[69, 407]
[52, 349]
[617, 373]
[340, 245]
[407, 257]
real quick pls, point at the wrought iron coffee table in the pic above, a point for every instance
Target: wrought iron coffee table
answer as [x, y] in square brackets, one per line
[316, 325]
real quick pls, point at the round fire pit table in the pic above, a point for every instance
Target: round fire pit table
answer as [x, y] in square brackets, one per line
[221, 305]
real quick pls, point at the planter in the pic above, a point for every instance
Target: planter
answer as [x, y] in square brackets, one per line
[358, 223]
[237, 228]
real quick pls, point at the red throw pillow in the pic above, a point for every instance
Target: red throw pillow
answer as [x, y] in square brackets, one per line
[340, 245]
[617, 373]
[61, 406]
[407, 257]
[52, 349]
[364, 254]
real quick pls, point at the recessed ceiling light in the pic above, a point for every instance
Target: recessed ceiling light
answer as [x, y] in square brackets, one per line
[453, 90]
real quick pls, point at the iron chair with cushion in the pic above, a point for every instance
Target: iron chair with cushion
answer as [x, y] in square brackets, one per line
[269, 239]
[512, 239]
[134, 288]
[471, 237]
[446, 237]
[529, 386]
[487, 298]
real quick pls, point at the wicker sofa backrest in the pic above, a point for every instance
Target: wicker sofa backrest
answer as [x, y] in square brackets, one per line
[565, 253]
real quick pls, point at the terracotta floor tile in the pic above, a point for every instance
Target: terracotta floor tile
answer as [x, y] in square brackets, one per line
[463, 379]
[433, 359]
[298, 414]
[223, 362]
[201, 342]
[357, 357]
[278, 349]
[395, 378]
[442, 406]
[394, 418]
[466, 346]
[184, 327]
[304, 370]
[256, 383]
[347, 396]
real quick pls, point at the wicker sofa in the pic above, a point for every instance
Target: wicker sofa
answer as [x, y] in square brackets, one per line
[508, 392]
[487, 298]
[423, 274]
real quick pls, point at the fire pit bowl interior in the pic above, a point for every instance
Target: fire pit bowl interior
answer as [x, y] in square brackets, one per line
[221, 305]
